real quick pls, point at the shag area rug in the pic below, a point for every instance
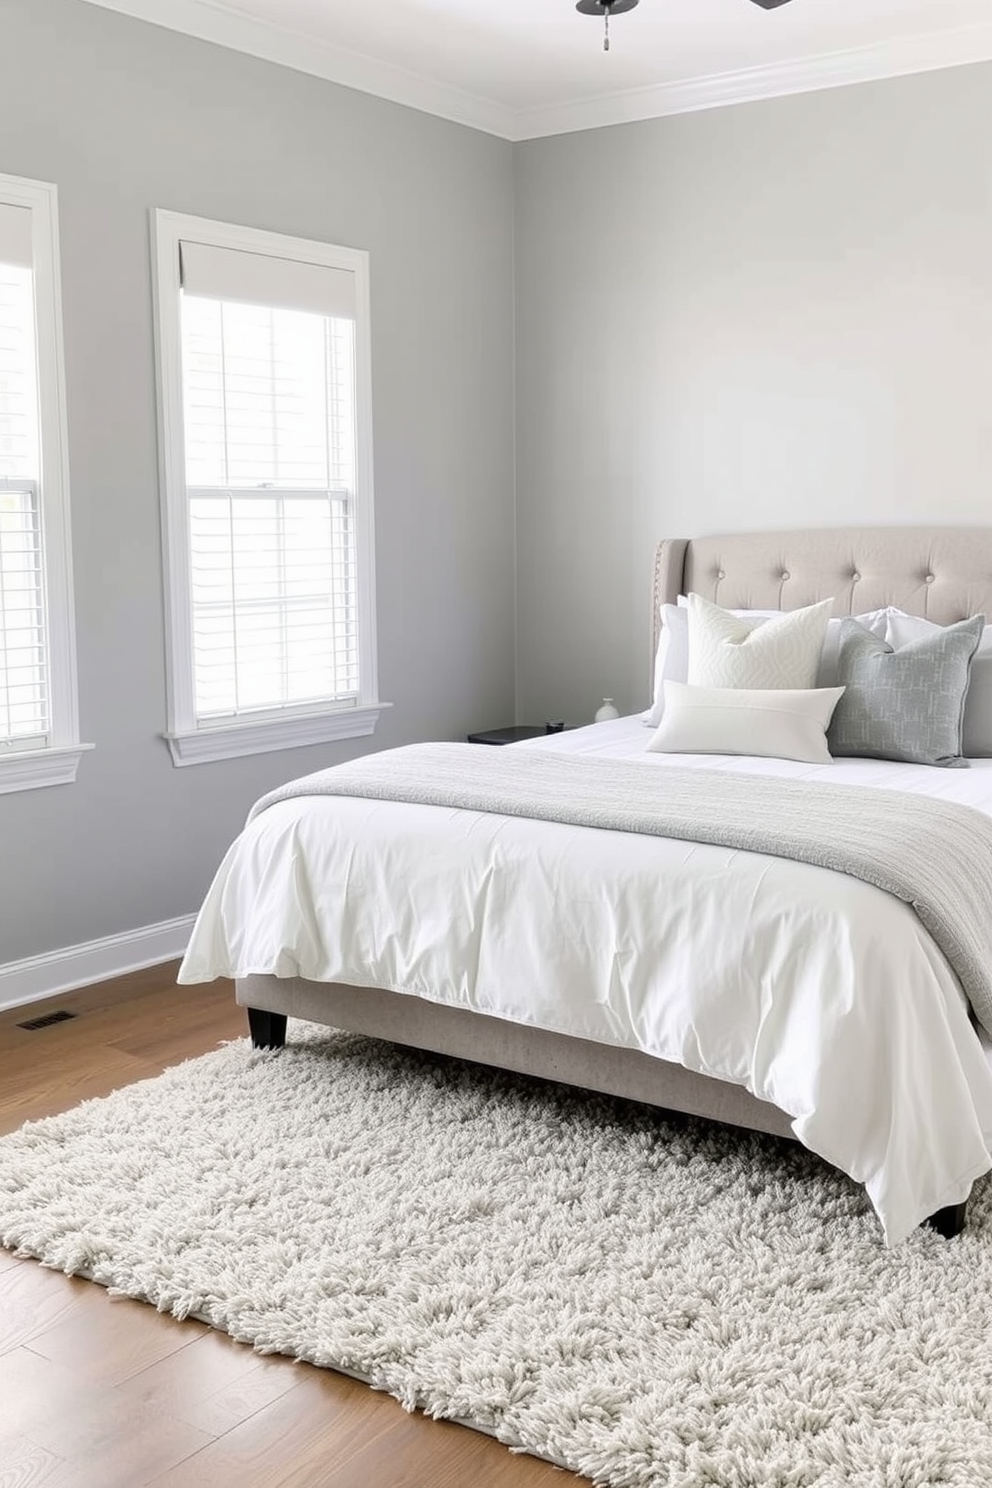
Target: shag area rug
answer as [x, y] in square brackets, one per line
[648, 1300]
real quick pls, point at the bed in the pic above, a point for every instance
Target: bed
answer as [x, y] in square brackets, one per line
[924, 1057]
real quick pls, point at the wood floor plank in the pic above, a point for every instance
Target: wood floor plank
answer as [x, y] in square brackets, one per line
[448, 1456]
[215, 1384]
[24, 1464]
[33, 1389]
[33, 1299]
[133, 1335]
[244, 1397]
[326, 1419]
[58, 1072]
[36, 1108]
[349, 1436]
[101, 1446]
[187, 1032]
[56, 1084]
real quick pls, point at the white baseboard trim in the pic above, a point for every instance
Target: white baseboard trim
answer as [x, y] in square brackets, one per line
[53, 972]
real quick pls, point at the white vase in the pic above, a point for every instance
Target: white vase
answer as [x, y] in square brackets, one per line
[607, 711]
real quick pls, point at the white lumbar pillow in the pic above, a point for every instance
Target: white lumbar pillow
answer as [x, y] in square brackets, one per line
[726, 650]
[772, 723]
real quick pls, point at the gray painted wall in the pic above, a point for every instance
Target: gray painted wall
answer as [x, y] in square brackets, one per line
[123, 117]
[778, 314]
[772, 315]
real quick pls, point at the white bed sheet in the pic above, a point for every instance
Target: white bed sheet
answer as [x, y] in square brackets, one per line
[813, 990]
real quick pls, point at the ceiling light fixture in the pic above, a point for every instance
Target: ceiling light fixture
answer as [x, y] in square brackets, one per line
[605, 8]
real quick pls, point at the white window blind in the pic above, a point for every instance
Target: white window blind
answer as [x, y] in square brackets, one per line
[270, 452]
[16, 246]
[24, 660]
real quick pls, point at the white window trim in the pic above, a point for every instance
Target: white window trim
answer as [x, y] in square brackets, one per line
[56, 762]
[192, 743]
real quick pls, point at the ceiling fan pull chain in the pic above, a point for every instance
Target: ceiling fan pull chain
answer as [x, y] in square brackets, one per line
[606, 8]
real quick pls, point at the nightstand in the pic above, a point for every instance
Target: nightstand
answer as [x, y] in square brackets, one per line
[515, 734]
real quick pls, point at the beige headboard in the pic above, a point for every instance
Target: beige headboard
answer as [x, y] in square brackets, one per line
[943, 573]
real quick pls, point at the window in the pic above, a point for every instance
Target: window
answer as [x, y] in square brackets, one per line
[266, 443]
[39, 736]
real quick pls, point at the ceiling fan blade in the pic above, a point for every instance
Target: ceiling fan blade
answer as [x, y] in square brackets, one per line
[770, 4]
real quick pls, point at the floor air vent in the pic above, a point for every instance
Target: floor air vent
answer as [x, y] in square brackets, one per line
[46, 1020]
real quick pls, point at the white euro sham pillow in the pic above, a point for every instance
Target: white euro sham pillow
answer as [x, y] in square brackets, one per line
[770, 723]
[976, 733]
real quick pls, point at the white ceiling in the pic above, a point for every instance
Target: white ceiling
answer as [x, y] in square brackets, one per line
[523, 68]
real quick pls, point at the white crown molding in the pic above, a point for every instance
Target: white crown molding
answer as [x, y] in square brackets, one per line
[210, 21]
[890, 59]
[30, 980]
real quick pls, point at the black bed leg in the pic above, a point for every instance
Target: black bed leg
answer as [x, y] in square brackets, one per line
[268, 1030]
[950, 1221]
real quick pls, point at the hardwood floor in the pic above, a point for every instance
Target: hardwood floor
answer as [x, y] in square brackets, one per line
[104, 1393]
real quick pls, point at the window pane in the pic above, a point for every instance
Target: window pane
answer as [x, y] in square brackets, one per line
[274, 617]
[24, 708]
[24, 705]
[268, 397]
[269, 407]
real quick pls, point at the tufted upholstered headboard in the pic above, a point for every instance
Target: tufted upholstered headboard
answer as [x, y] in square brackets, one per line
[942, 573]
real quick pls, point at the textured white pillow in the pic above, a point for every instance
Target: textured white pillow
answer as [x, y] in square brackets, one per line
[772, 723]
[727, 651]
[671, 663]
[976, 733]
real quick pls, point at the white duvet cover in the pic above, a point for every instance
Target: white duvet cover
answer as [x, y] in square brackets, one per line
[813, 990]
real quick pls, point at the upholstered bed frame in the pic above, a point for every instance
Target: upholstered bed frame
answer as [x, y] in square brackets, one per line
[942, 573]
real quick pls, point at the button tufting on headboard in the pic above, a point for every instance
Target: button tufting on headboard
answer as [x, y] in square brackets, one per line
[860, 568]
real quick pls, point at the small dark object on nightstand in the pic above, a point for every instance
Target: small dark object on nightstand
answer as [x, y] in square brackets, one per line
[515, 734]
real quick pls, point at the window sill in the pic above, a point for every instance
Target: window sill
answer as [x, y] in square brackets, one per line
[35, 768]
[232, 741]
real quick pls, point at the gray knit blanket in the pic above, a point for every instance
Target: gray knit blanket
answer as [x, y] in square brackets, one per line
[935, 855]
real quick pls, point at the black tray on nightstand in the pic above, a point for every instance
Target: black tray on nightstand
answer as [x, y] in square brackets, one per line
[514, 735]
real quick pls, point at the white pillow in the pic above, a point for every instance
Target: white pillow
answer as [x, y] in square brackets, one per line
[976, 733]
[671, 662]
[772, 723]
[726, 651]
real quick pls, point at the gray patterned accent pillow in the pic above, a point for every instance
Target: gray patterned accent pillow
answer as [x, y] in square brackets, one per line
[908, 704]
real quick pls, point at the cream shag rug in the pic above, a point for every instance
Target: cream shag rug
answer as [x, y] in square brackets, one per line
[648, 1300]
